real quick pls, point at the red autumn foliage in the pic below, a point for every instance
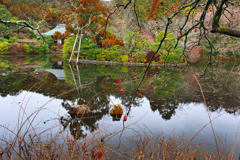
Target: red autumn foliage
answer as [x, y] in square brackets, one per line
[16, 48]
[149, 55]
[53, 5]
[100, 155]
[155, 6]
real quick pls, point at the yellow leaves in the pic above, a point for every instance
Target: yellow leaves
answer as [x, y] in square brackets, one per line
[193, 12]
[141, 155]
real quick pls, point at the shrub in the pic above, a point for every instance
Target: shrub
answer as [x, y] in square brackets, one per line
[48, 39]
[125, 58]
[149, 55]
[5, 40]
[101, 57]
[27, 48]
[139, 57]
[172, 56]
[16, 48]
[32, 34]
[4, 46]
[67, 47]
[14, 38]
[40, 48]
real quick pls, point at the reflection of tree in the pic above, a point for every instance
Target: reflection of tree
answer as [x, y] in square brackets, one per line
[78, 123]
[166, 106]
[221, 88]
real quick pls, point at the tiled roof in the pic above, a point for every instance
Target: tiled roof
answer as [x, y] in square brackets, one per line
[59, 28]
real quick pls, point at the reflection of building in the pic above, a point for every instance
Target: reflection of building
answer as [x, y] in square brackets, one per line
[57, 70]
[59, 73]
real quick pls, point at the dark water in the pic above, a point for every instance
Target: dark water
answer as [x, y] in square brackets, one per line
[172, 104]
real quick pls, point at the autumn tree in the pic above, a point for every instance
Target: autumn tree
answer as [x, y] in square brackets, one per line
[53, 17]
[87, 17]
[28, 11]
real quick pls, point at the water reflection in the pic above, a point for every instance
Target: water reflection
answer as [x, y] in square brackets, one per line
[94, 85]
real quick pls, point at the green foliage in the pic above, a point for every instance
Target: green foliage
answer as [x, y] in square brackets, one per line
[5, 40]
[32, 34]
[13, 38]
[57, 11]
[139, 57]
[125, 58]
[41, 48]
[4, 46]
[5, 31]
[135, 42]
[37, 49]
[91, 54]
[165, 86]
[142, 9]
[166, 53]
[48, 39]
[88, 48]
[4, 63]
[27, 48]
[115, 54]
[40, 60]
[67, 47]
[4, 13]
[101, 57]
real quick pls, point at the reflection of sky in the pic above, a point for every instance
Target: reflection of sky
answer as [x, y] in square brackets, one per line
[10, 110]
[189, 118]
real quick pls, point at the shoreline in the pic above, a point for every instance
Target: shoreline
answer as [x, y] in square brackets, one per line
[127, 63]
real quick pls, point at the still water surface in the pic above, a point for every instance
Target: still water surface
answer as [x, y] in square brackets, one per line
[172, 104]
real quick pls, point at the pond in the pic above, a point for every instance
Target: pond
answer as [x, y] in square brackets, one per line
[45, 88]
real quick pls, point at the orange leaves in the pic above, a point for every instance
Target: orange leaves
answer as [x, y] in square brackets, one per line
[89, 11]
[26, 11]
[94, 19]
[67, 34]
[58, 35]
[79, 8]
[99, 8]
[81, 22]
[69, 29]
[109, 41]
